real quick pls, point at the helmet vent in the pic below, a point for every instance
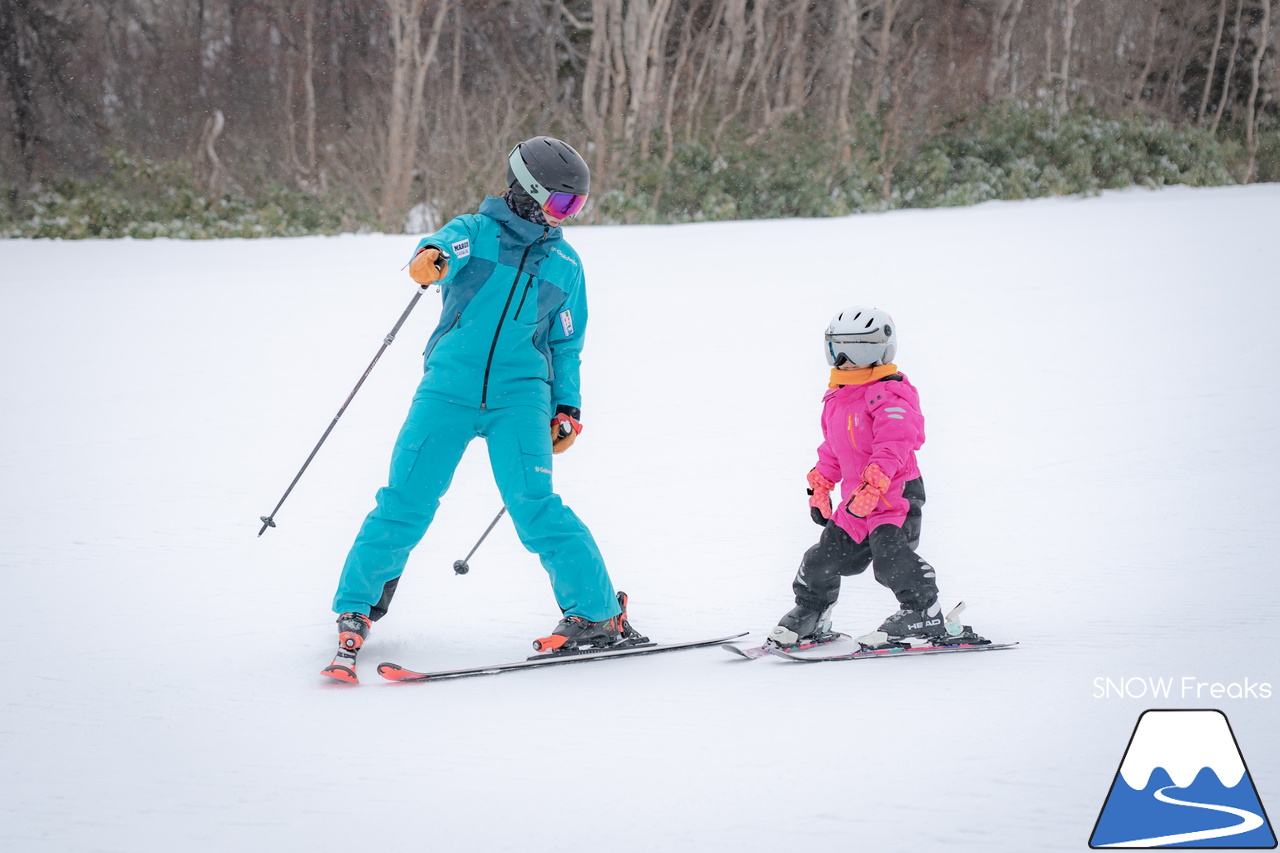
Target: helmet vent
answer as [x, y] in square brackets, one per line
[861, 335]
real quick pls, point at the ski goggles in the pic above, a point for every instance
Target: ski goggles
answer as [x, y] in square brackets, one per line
[564, 205]
[842, 349]
[557, 204]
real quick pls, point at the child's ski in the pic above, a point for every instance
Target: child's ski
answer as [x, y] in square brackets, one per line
[896, 652]
[395, 672]
[766, 649]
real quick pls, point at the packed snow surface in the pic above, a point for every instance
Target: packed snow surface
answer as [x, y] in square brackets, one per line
[1099, 378]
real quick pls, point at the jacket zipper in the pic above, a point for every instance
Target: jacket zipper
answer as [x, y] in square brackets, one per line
[456, 320]
[493, 347]
[528, 284]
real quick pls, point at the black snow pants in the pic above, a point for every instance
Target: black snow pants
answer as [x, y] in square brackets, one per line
[889, 548]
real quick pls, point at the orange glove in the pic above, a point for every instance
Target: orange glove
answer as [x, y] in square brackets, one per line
[564, 428]
[819, 497]
[869, 493]
[429, 265]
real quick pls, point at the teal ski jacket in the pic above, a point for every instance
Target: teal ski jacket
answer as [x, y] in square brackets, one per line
[513, 314]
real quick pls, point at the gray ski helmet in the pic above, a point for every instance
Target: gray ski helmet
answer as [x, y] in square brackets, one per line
[551, 172]
[861, 334]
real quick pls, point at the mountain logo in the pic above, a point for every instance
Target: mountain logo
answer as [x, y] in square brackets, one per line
[1182, 783]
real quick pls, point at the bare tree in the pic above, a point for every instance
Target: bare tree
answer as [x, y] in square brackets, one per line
[38, 43]
[1250, 128]
[1003, 24]
[309, 83]
[216, 177]
[1062, 83]
[340, 91]
[845, 49]
[1211, 68]
[888, 11]
[1134, 95]
[1231, 66]
[411, 60]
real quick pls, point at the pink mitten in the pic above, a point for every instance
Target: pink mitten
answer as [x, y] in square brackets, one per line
[820, 497]
[869, 493]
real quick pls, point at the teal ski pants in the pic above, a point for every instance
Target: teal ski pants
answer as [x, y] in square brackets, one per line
[427, 452]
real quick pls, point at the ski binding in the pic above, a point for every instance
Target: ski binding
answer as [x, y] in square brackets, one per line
[767, 648]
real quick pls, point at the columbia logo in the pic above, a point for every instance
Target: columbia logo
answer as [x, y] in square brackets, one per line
[541, 470]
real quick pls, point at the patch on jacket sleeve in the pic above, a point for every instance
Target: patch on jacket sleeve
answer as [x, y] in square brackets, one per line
[885, 401]
[566, 323]
[461, 249]
[879, 395]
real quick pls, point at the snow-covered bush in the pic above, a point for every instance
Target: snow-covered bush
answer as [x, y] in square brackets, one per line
[139, 198]
[796, 169]
[1005, 152]
[1013, 153]
[791, 171]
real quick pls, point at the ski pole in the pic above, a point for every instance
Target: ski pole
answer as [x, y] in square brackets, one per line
[460, 567]
[269, 520]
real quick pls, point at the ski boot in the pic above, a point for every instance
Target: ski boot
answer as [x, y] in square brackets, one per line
[928, 626]
[575, 633]
[802, 628]
[352, 630]
[630, 636]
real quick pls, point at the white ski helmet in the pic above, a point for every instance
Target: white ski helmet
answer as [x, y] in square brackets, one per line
[862, 335]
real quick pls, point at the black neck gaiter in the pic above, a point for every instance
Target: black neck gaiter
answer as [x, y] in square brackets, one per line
[523, 205]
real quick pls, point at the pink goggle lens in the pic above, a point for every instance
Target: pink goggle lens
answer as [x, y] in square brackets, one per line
[564, 205]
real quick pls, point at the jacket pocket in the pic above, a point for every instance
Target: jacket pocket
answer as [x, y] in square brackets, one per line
[527, 287]
[431, 348]
[551, 371]
[407, 451]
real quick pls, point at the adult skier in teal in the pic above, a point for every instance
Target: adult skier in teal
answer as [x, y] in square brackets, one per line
[502, 364]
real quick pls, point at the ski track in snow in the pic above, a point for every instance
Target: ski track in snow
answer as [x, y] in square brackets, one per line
[1099, 378]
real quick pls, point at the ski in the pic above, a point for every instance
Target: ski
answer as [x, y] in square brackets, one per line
[343, 667]
[896, 652]
[396, 672]
[765, 649]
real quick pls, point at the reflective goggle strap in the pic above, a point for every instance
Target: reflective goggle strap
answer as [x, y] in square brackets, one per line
[539, 193]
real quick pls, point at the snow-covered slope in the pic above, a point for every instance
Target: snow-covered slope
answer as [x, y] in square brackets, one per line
[1100, 378]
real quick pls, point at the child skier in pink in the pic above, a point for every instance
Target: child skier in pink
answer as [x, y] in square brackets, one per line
[871, 429]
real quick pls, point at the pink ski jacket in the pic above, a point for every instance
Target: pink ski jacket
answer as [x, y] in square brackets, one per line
[876, 421]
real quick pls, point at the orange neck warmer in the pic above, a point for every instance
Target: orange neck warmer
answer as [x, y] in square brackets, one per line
[861, 376]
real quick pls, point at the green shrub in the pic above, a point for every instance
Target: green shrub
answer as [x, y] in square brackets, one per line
[798, 169]
[1268, 165]
[790, 172]
[139, 198]
[1004, 152]
[1007, 152]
